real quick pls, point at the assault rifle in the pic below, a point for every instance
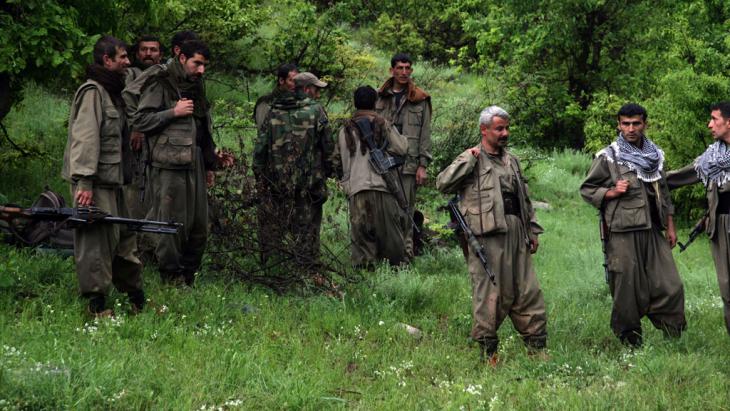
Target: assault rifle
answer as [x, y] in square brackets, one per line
[81, 216]
[383, 163]
[471, 238]
[697, 230]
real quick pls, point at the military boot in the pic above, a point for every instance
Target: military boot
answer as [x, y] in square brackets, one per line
[97, 306]
[631, 338]
[137, 300]
[488, 351]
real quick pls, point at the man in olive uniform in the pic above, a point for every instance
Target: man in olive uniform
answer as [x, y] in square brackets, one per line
[93, 164]
[147, 53]
[376, 219]
[712, 168]
[408, 107]
[174, 114]
[627, 183]
[495, 204]
[292, 160]
[284, 82]
[177, 40]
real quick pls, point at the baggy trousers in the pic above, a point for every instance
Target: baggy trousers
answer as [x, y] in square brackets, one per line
[644, 281]
[409, 188]
[181, 196]
[721, 254]
[517, 293]
[105, 253]
[376, 228]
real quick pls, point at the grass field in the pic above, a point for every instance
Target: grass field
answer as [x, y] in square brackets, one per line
[225, 345]
[228, 345]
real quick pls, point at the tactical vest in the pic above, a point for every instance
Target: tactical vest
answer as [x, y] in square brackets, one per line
[109, 171]
[174, 147]
[481, 201]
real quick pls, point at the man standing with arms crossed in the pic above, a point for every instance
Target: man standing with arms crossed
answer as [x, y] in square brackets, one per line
[175, 115]
[93, 163]
[627, 183]
[408, 107]
[712, 168]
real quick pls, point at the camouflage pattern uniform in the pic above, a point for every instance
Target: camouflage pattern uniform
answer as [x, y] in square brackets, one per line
[93, 161]
[412, 118]
[495, 204]
[643, 277]
[181, 151]
[263, 105]
[377, 222]
[292, 160]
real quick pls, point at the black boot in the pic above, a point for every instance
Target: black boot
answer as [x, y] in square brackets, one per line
[97, 305]
[632, 338]
[488, 351]
[136, 298]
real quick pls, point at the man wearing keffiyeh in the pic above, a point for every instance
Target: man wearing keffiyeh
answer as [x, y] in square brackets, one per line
[712, 168]
[627, 183]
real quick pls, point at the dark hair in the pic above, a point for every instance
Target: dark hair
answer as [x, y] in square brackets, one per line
[282, 72]
[724, 107]
[181, 37]
[146, 37]
[192, 47]
[365, 97]
[107, 46]
[632, 110]
[400, 58]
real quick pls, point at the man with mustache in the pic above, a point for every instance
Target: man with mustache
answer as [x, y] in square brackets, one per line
[175, 115]
[408, 107]
[147, 53]
[712, 168]
[627, 183]
[495, 204]
[93, 163]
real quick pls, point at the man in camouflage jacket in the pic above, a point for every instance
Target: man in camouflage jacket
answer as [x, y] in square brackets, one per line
[292, 160]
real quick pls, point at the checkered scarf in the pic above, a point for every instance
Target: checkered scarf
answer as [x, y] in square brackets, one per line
[714, 164]
[647, 162]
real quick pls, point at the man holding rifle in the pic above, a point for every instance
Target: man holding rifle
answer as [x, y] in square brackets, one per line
[496, 207]
[712, 168]
[94, 165]
[365, 145]
[626, 182]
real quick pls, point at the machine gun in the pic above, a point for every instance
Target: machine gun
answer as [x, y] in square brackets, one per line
[81, 216]
[696, 231]
[471, 238]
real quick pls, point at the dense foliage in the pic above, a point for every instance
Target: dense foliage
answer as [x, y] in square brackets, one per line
[562, 68]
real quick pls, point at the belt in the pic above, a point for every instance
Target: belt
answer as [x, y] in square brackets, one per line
[511, 204]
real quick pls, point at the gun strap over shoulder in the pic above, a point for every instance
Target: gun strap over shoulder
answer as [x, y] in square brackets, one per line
[612, 164]
[365, 127]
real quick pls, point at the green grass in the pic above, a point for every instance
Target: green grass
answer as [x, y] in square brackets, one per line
[234, 346]
[206, 347]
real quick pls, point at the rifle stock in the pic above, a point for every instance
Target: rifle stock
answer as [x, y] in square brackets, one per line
[471, 239]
